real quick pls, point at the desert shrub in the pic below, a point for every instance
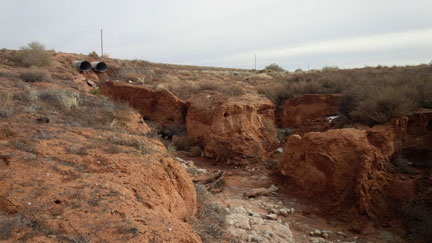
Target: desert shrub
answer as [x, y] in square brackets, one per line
[329, 68]
[233, 90]
[61, 99]
[275, 91]
[6, 104]
[135, 73]
[274, 67]
[183, 142]
[34, 54]
[382, 105]
[7, 225]
[210, 223]
[144, 146]
[171, 148]
[195, 151]
[421, 92]
[369, 95]
[208, 86]
[93, 54]
[35, 75]
[7, 74]
[79, 109]
[23, 145]
[350, 99]
[183, 90]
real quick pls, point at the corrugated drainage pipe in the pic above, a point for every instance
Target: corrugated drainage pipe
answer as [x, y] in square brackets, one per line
[82, 65]
[99, 67]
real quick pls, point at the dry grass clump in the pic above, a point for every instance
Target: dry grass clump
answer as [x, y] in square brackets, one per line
[35, 74]
[34, 54]
[183, 142]
[78, 109]
[144, 146]
[61, 99]
[232, 90]
[135, 71]
[9, 224]
[210, 222]
[6, 104]
[8, 74]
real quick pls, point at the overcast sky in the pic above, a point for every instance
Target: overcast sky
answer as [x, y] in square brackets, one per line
[228, 33]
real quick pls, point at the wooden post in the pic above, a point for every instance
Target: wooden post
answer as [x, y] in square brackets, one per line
[102, 53]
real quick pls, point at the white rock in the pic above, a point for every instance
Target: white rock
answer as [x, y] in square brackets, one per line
[280, 150]
[285, 212]
[274, 211]
[256, 221]
[240, 210]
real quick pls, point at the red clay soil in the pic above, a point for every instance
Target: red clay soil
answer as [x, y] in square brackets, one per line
[158, 105]
[236, 129]
[68, 183]
[340, 168]
[308, 112]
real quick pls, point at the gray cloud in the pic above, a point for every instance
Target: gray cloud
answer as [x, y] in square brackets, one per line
[228, 33]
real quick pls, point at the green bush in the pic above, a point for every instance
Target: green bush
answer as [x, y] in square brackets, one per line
[34, 54]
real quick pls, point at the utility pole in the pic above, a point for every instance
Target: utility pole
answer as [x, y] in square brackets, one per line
[101, 38]
[308, 65]
[255, 62]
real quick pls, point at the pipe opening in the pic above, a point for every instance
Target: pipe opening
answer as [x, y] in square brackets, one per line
[99, 66]
[82, 65]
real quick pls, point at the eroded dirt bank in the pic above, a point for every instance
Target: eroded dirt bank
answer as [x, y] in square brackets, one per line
[77, 167]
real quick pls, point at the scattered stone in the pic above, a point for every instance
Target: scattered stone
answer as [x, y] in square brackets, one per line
[324, 235]
[280, 150]
[274, 211]
[240, 210]
[292, 210]
[243, 222]
[261, 191]
[271, 216]
[402, 177]
[285, 212]
[317, 232]
[265, 234]
[317, 239]
[341, 234]
[91, 84]
[256, 221]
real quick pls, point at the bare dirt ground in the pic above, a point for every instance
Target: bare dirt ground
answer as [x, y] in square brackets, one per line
[306, 223]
